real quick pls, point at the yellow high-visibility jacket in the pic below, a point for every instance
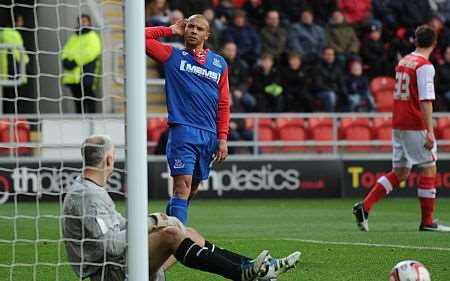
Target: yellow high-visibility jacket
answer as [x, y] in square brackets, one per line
[82, 49]
[10, 36]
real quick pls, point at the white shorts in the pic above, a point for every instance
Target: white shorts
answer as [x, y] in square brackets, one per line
[408, 149]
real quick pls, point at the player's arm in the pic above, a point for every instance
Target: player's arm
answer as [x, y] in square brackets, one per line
[425, 87]
[99, 223]
[156, 49]
[223, 117]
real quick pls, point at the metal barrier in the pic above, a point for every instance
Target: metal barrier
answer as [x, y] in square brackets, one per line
[88, 123]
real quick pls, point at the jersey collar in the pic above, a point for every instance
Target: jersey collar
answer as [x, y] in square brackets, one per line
[200, 55]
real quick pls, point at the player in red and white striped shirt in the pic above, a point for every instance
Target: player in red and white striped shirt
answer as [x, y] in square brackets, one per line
[413, 138]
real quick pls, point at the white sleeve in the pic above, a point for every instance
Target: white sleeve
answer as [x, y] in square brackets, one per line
[425, 82]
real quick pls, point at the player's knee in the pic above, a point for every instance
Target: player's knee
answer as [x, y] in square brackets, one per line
[173, 236]
[401, 173]
[182, 188]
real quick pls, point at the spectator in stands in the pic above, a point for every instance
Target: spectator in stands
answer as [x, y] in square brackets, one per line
[306, 37]
[215, 29]
[255, 12]
[288, 9]
[356, 11]
[407, 13]
[341, 37]
[225, 11]
[157, 13]
[357, 89]
[273, 36]
[296, 81]
[443, 78]
[240, 102]
[438, 25]
[190, 7]
[323, 9]
[238, 72]
[266, 86]
[81, 61]
[328, 81]
[174, 16]
[441, 8]
[245, 37]
[373, 52]
[402, 44]
[10, 60]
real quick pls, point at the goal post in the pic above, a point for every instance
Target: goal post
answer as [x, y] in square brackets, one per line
[40, 148]
[136, 140]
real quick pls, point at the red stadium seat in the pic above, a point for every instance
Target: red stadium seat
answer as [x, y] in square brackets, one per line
[21, 133]
[348, 122]
[354, 129]
[155, 128]
[262, 122]
[357, 133]
[321, 129]
[382, 89]
[384, 100]
[443, 131]
[382, 83]
[265, 132]
[382, 131]
[291, 130]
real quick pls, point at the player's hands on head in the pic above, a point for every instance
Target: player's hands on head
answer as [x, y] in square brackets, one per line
[222, 150]
[429, 140]
[178, 27]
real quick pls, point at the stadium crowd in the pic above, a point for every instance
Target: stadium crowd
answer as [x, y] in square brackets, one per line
[312, 55]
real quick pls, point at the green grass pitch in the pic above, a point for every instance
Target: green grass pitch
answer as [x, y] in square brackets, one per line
[323, 230]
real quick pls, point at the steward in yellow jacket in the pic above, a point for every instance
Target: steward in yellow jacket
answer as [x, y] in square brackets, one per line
[81, 62]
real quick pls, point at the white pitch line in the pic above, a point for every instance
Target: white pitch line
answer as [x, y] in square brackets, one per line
[425, 248]
[362, 244]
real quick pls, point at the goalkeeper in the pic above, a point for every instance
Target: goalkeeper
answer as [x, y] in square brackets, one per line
[95, 233]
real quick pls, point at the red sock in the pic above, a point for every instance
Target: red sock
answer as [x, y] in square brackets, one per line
[384, 186]
[427, 195]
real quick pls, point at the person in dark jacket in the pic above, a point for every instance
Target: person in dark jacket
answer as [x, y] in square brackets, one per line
[357, 89]
[373, 52]
[341, 36]
[273, 36]
[266, 86]
[255, 12]
[238, 72]
[215, 29]
[245, 37]
[443, 78]
[306, 37]
[328, 80]
[241, 100]
[296, 81]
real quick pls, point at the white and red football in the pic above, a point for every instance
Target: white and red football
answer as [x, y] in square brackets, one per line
[409, 271]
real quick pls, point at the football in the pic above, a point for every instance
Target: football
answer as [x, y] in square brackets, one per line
[409, 271]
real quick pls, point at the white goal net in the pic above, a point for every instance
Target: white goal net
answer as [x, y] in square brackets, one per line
[61, 80]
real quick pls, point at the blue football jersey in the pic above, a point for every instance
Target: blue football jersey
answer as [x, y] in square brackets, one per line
[192, 88]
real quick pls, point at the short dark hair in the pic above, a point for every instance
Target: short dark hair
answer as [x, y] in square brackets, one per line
[425, 36]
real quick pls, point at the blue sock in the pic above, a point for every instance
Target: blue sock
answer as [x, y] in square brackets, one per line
[178, 207]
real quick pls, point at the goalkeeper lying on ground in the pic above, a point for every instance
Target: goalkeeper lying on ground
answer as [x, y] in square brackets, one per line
[95, 233]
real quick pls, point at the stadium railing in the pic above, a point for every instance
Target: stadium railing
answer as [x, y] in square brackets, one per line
[342, 137]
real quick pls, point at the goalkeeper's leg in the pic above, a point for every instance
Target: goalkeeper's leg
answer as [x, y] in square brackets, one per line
[188, 248]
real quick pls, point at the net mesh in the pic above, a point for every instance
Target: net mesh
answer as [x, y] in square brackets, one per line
[40, 129]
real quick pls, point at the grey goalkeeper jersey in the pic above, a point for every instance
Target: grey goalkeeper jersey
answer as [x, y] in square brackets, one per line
[93, 230]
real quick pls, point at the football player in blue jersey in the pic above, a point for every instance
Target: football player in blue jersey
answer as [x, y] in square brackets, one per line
[198, 104]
